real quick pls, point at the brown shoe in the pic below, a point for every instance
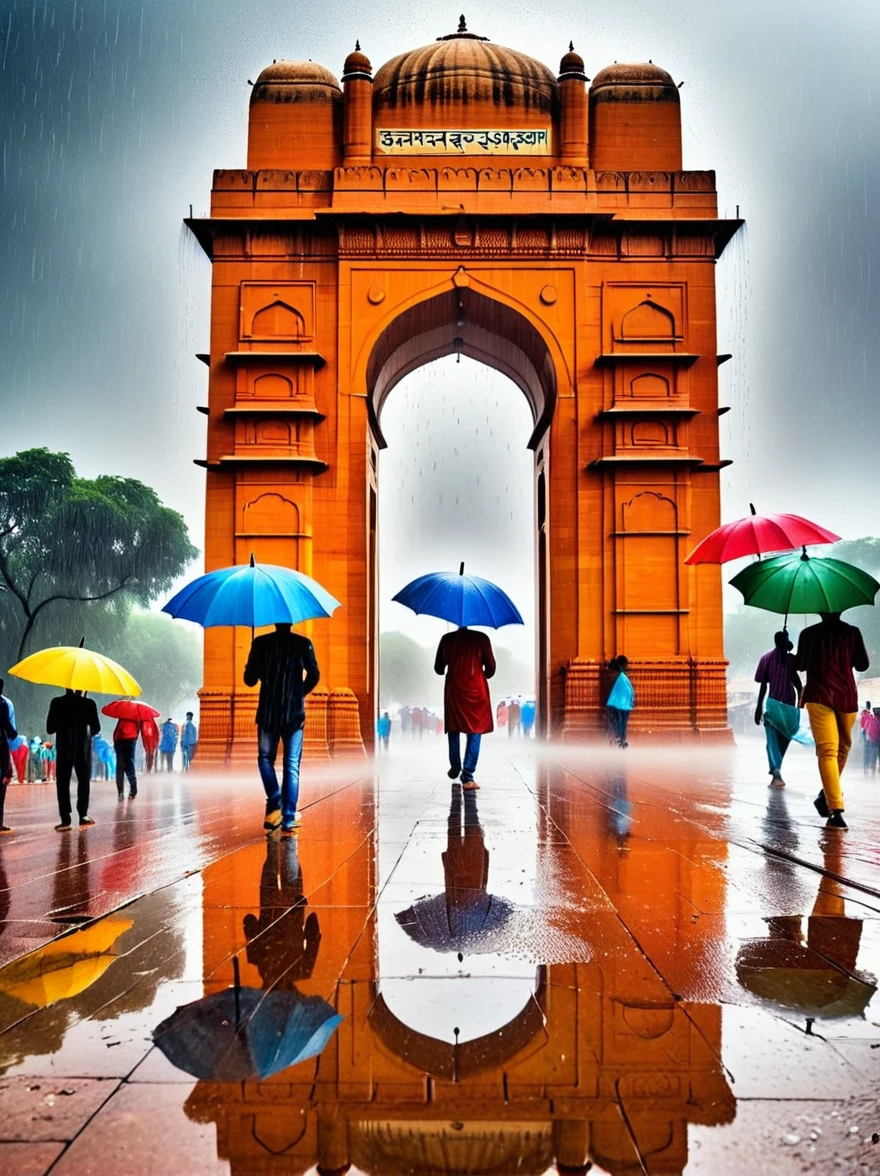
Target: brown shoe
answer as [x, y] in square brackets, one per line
[62, 828]
[85, 822]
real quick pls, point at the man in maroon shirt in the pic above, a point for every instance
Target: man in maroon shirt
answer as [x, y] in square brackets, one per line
[828, 653]
[776, 675]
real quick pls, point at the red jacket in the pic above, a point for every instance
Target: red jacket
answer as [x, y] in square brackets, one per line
[126, 729]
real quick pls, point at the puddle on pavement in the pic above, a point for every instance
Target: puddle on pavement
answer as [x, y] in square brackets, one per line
[544, 974]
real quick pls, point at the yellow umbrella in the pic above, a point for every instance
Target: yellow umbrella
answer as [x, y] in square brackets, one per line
[76, 668]
[64, 968]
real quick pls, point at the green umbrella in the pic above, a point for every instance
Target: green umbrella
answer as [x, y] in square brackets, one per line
[798, 584]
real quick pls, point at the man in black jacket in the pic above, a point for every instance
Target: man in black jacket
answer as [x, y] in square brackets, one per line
[73, 719]
[284, 664]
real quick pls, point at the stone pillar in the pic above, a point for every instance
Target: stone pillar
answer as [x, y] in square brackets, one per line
[332, 1146]
[344, 725]
[571, 1146]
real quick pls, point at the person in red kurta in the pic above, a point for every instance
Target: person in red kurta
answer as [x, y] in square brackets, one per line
[466, 658]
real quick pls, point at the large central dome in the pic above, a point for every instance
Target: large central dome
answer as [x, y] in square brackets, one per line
[464, 68]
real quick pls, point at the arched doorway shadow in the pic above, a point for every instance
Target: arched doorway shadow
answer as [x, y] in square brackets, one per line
[464, 321]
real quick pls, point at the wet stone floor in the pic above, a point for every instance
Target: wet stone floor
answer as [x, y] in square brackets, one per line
[640, 961]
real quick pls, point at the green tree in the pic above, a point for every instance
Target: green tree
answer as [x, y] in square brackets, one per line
[406, 674]
[164, 655]
[68, 541]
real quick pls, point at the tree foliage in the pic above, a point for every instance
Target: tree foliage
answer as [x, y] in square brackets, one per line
[165, 657]
[69, 541]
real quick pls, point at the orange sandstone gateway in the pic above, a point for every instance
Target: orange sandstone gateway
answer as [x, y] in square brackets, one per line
[465, 199]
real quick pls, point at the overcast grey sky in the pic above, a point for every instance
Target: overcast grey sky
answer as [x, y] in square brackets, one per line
[113, 114]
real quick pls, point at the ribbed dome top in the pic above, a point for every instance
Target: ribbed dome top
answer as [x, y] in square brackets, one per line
[635, 81]
[572, 64]
[464, 68]
[357, 63]
[295, 81]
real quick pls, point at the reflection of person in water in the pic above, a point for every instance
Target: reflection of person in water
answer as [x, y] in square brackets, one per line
[466, 860]
[813, 971]
[281, 941]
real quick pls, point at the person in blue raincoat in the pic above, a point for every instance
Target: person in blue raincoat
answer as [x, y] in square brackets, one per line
[621, 701]
[168, 744]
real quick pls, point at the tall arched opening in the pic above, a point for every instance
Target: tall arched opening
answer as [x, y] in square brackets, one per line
[463, 322]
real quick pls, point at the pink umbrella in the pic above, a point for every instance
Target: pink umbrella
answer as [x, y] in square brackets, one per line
[756, 535]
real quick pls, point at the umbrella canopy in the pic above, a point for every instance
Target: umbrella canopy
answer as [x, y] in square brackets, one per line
[253, 595]
[65, 967]
[461, 599]
[757, 534]
[245, 1033]
[127, 708]
[76, 668]
[801, 584]
[791, 975]
[473, 927]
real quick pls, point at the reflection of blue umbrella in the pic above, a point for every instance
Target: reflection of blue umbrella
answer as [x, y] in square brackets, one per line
[461, 599]
[245, 1033]
[251, 594]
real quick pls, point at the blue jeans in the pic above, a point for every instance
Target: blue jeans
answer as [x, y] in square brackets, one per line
[287, 795]
[617, 723]
[777, 746]
[471, 754]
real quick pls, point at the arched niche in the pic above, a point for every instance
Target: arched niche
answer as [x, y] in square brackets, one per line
[650, 386]
[279, 320]
[465, 322]
[648, 322]
[272, 386]
[650, 434]
[649, 511]
[270, 514]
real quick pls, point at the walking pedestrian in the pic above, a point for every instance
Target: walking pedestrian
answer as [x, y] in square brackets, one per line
[35, 767]
[828, 653]
[7, 732]
[863, 722]
[73, 720]
[47, 762]
[466, 657]
[284, 664]
[514, 716]
[501, 713]
[125, 737]
[527, 717]
[383, 730]
[18, 749]
[781, 684]
[189, 738]
[168, 745]
[621, 701]
[872, 740]
[150, 740]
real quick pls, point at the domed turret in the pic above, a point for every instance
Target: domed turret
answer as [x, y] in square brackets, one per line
[357, 78]
[463, 80]
[295, 117]
[572, 109]
[635, 119]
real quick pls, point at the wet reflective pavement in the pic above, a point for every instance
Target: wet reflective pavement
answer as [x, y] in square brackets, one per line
[647, 961]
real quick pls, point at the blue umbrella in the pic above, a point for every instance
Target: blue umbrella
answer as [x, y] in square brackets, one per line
[251, 594]
[461, 599]
[245, 1033]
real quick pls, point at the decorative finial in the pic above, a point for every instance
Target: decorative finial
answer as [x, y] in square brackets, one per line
[357, 46]
[571, 46]
[462, 24]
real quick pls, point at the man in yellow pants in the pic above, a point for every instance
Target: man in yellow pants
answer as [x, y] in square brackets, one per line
[828, 653]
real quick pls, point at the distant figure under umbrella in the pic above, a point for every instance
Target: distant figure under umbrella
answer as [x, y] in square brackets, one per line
[527, 717]
[168, 745]
[828, 653]
[285, 666]
[73, 720]
[621, 701]
[383, 730]
[514, 715]
[125, 737]
[778, 677]
[150, 738]
[189, 738]
[466, 657]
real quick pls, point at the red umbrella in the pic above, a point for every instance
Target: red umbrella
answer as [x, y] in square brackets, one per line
[757, 534]
[127, 708]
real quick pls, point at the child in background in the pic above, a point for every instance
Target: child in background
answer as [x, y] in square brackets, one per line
[620, 702]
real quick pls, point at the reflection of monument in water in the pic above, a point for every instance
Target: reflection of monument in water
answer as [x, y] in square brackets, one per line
[599, 1061]
[467, 200]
